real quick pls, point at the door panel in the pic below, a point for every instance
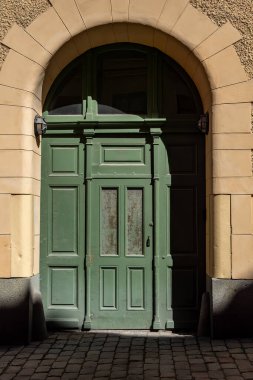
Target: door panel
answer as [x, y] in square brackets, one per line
[64, 223]
[135, 288]
[109, 288]
[63, 287]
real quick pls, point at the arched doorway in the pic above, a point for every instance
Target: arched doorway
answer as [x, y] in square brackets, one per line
[123, 193]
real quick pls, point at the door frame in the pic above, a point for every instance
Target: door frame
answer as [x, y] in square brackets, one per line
[90, 123]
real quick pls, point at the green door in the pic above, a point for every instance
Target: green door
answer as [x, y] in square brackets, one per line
[121, 261]
[119, 256]
[62, 226]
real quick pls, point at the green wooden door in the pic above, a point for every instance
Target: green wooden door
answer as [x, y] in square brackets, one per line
[119, 292]
[121, 260]
[62, 226]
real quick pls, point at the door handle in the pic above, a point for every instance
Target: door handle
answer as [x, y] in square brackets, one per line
[148, 242]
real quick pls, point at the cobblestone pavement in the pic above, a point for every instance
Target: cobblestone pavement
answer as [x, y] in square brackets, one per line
[129, 355]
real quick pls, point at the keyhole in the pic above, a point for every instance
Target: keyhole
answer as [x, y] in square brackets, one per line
[148, 242]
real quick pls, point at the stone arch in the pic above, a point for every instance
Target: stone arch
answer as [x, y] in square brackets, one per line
[66, 30]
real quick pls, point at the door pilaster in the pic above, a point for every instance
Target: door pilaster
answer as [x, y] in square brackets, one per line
[155, 133]
[89, 134]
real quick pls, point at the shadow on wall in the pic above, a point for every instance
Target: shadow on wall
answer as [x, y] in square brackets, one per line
[232, 308]
[21, 312]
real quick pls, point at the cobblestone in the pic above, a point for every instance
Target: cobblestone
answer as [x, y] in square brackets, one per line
[129, 355]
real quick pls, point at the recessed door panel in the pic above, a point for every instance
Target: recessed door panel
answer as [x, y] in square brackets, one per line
[64, 219]
[128, 155]
[136, 288]
[64, 160]
[63, 287]
[108, 288]
[120, 157]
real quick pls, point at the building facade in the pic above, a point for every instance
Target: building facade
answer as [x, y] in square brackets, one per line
[124, 214]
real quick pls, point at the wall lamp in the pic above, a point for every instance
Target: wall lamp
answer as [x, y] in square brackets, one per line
[40, 125]
[203, 123]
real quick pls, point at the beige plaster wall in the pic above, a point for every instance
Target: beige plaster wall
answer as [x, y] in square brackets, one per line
[206, 48]
[20, 158]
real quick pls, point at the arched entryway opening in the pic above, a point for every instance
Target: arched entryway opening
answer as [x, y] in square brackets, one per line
[123, 193]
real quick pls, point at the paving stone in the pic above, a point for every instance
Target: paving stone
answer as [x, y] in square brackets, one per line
[73, 368]
[55, 372]
[216, 374]
[13, 369]
[27, 371]
[118, 374]
[60, 364]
